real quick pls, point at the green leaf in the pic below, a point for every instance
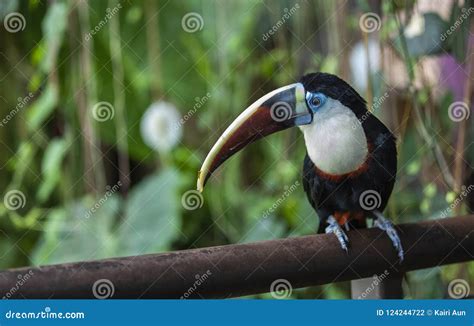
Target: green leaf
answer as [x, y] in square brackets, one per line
[450, 197]
[77, 233]
[264, 229]
[152, 215]
[22, 162]
[425, 283]
[54, 25]
[413, 167]
[9, 250]
[42, 108]
[51, 166]
[430, 190]
[27, 221]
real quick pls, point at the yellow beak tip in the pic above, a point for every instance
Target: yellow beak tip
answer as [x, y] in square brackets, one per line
[199, 185]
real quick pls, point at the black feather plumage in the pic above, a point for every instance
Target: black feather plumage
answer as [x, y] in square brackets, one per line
[328, 195]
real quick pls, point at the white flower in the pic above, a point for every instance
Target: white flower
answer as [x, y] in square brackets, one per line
[359, 64]
[160, 126]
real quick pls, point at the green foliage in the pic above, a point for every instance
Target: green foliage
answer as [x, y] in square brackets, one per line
[54, 26]
[147, 221]
[62, 159]
[152, 215]
[50, 166]
[41, 109]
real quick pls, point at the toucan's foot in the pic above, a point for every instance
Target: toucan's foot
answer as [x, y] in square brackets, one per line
[335, 228]
[384, 224]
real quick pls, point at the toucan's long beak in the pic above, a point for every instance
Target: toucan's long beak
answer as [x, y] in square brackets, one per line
[281, 109]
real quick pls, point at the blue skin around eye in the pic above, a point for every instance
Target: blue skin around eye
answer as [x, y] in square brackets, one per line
[309, 99]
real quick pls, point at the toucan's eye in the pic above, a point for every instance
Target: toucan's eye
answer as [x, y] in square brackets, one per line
[316, 101]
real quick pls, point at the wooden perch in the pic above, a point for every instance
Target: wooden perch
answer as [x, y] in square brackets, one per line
[243, 269]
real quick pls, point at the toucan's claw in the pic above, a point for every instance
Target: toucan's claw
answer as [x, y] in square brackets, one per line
[335, 228]
[384, 224]
[346, 226]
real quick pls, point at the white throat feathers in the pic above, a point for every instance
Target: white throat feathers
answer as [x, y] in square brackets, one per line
[335, 140]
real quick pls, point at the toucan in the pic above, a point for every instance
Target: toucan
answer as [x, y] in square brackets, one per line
[351, 158]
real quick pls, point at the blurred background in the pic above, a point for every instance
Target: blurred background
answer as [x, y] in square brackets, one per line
[108, 109]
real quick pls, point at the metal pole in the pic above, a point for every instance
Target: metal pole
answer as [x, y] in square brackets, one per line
[237, 270]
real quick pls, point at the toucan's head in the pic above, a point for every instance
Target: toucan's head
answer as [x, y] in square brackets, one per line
[326, 109]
